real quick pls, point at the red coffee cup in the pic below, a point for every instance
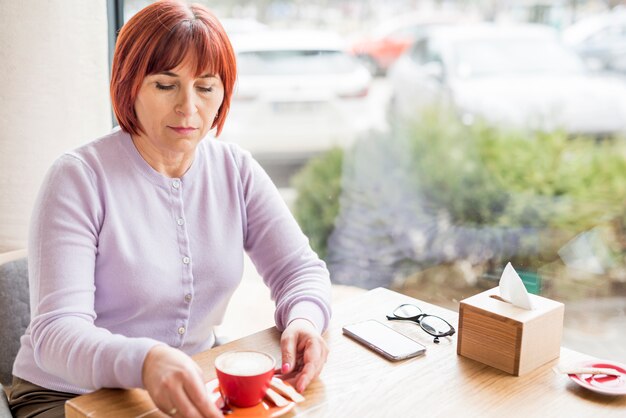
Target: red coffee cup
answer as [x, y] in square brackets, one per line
[244, 376]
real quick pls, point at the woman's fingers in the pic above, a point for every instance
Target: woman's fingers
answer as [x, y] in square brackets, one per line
[288, 344]
[190, 403]
[184, 406]
[304, 349]
[308, 373]
[175, 384]
[198, 395]
[314, 356]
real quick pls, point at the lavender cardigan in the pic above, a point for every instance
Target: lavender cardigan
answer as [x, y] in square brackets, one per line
[122, 258]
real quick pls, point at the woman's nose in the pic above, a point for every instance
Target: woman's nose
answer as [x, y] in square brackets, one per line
[186, 104]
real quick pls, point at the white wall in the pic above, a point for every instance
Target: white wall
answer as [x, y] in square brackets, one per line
[53, 96]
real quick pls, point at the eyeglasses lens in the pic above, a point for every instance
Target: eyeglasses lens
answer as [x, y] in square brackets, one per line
[435, 325]
[407, 311]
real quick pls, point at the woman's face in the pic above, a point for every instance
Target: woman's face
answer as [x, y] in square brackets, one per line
[176, 110]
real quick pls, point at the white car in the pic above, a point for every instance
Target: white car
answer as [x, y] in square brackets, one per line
[600, 40]
[235, 26]
[298, 93]
[518, 75]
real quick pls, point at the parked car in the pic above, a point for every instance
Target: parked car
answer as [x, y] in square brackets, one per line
[600, 40]
[379, 48]
[236, 26]
[517, 75]
[298, 93]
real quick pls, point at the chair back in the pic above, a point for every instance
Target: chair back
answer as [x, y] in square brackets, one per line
[14, 309]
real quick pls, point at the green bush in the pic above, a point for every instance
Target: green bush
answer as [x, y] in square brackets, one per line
[502, 177]
[487, 176]
[316, 206]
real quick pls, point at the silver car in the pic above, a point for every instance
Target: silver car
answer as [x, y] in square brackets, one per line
[600, 40]
[518, 75]
[298, 93]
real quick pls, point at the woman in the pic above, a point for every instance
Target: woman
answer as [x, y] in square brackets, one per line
[137, 238]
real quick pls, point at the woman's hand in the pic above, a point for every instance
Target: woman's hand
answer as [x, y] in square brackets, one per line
[304, 352]
[175, 384]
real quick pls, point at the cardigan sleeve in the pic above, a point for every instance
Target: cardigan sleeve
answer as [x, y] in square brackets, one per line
[299, 281]
[63, 244]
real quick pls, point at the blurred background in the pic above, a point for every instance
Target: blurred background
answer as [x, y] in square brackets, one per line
[420, 144]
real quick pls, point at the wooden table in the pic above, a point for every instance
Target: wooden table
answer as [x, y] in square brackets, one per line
[358, 383]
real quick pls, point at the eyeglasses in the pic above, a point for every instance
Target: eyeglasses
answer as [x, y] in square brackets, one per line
[433, 325]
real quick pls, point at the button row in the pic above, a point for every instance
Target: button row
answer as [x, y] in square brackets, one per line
[186, 260]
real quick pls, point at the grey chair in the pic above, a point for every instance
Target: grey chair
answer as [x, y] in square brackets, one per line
[14, 315]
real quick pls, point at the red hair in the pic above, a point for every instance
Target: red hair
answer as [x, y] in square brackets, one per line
[158, 38]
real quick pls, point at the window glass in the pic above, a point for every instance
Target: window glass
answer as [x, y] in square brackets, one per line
[133, 6]
[419, 52]
[481, 58]
[424, 52]
[294, 62]
[599, 36]
[430, 188]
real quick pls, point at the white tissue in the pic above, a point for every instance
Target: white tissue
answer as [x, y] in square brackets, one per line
[512, 288]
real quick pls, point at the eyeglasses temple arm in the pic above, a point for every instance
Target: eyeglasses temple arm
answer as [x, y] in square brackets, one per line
[395, 318]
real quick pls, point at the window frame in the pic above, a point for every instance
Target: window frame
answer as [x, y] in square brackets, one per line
[115, 19]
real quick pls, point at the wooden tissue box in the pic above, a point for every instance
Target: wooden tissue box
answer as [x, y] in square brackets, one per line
[512, 339]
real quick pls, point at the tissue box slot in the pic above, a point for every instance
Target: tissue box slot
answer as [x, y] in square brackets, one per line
[506, 337]
[497, 297]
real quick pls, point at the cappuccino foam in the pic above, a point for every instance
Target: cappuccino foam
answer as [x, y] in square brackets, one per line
[244, 363]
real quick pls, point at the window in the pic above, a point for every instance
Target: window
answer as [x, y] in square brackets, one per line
[287, 62]
[436, 210]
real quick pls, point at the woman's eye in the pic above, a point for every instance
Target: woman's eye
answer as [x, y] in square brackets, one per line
[205, 89]
[164, 86]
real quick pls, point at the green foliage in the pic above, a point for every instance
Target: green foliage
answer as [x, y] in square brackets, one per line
[317, 204]
[488, 175]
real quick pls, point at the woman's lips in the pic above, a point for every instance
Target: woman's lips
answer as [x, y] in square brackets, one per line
[182, 130]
